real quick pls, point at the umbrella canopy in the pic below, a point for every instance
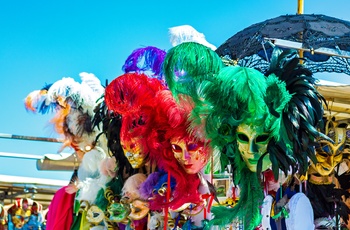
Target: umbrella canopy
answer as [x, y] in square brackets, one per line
[325, 41]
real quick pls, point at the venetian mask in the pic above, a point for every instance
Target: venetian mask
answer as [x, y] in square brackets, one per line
[252, 144]
[329, 155]
[134, 153]
[18, 218]
[192, 156]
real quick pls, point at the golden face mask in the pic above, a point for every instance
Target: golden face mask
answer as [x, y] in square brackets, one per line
[191, 156]
[18, 218]
[329, 155]
[133, 152]
[252, 144]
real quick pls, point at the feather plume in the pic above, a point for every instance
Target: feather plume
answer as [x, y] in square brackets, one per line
[187, 64]
[132, 96]
[147, 187]
[90, 164]
[186, 33]
[90, 187]
[109, 167]
[248, 206]
[301, 117]
[146, 60]
[92, 82]
[38, 102]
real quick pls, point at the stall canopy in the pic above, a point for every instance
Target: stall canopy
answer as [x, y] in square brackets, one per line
[338, 99]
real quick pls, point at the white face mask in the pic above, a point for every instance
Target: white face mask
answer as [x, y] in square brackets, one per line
[252, 143]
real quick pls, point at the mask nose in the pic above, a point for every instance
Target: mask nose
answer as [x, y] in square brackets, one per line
[185, 155]
[253, 148]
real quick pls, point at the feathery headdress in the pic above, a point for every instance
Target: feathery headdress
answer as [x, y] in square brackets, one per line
[186, 33]
[146, 60]
[187, 64]
[131, 95]
[300, 120]
[73, 102]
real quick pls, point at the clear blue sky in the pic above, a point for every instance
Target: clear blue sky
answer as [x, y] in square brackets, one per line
[42, 41]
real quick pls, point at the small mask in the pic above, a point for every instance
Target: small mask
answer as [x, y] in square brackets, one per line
[192, 156]
[134, 153]
[329, 155]
[252, 144]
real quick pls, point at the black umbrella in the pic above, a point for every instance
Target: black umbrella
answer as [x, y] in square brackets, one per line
[324, 40]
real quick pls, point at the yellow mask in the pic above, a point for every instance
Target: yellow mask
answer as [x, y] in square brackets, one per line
[133, 152]
[329, 155]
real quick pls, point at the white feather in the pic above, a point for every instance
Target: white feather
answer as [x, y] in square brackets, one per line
[64, 88]
[90, 164]
[186, 33]
[89, 188]
[93, 82]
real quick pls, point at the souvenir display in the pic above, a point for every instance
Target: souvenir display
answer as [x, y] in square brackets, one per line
[153, 139]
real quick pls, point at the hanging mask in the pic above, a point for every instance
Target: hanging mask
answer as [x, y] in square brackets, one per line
[95, 215]
[139, 209]
[329, 155]
[118, 212]
[18, 218]
[134, 153]
[192, 156]
[252, 144]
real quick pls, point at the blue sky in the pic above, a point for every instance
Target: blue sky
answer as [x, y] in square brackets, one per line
[43, 41]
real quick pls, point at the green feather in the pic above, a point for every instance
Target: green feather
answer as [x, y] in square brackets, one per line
[248, 206]
[188, 64]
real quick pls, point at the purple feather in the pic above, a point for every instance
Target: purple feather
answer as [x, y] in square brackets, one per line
[147, 187]
[148, 59]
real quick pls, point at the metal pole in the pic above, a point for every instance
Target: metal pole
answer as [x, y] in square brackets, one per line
[29, 138]
[301, 11]
[300, 6]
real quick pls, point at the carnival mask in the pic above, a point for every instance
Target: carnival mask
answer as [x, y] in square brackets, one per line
[134, 153]
[252, 144]
[329, 155]
[191, 156]
[19, 218]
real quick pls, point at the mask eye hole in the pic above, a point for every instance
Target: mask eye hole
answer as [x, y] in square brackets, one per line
[141, 121]
[242, 137]
[176, 148]
[262, 138]
[192, 147]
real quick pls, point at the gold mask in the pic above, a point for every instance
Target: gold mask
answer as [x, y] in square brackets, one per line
[133, 152]
[329, 155]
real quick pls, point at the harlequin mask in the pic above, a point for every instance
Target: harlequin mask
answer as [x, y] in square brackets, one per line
[252, 144]
[329, 155]
[192, 156]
